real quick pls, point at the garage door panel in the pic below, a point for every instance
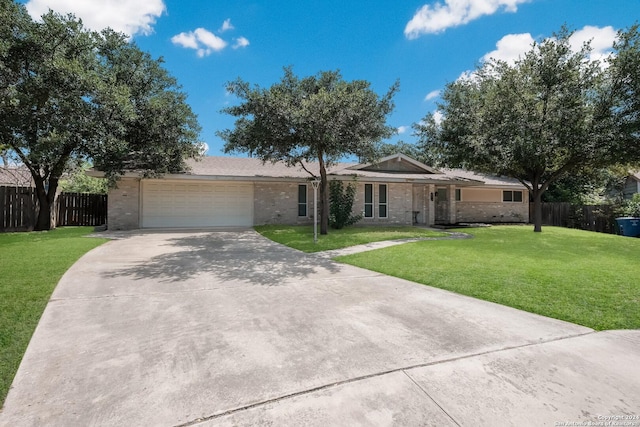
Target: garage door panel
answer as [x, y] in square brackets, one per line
[171, 204]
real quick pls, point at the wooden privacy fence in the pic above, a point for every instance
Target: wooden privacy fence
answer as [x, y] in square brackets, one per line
[19, 209]
[600, 218]
[81, 209]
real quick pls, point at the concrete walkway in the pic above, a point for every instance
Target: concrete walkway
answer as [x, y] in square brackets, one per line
[224, 328]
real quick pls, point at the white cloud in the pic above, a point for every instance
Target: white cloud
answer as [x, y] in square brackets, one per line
[511, 47]
[431, 95]
[187, 40]
[210, 40]
[226, 26]
[601, 40]
[128, 16]
[438, 117]
[402, 129]
[438, 17]
[467, 75]
[241, 42]
[204, 148]
[202, 40]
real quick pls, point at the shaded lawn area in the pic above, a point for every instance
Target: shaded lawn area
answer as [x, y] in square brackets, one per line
[587, 278]
[31, 264]
[301, 236]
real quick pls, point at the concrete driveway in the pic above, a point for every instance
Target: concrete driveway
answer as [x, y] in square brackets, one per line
[225, 328]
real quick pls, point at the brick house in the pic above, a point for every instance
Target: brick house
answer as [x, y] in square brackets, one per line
[227, 191]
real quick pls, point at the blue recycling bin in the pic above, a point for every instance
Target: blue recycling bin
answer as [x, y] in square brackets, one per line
[628, 226]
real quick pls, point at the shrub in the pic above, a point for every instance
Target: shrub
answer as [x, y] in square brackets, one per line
[632, 207]
[341, 205]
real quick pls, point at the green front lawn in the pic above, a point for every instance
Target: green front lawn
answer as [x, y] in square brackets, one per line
[587, 278]
[301, 237]
[31, 264]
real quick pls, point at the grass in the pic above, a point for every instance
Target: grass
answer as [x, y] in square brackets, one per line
[31, 264]
[582, 277]
[301, 237]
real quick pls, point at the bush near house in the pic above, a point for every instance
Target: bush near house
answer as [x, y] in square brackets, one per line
[632, 207]
[341, 205]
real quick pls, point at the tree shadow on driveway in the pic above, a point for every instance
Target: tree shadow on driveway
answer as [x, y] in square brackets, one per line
[226, 257]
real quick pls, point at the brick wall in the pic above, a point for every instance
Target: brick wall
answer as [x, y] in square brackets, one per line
[399, 204]
[123, 212]
[277, 203]
[492, 212]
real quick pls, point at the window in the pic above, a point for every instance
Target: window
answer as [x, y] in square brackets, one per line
[382, 201]
[368, 200]
[512, 196]
[458, 194]
[302, 200]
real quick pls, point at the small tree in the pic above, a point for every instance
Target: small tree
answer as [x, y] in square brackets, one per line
[341, 207]
[319, 119]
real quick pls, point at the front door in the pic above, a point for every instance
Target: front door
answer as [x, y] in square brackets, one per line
[442, 206]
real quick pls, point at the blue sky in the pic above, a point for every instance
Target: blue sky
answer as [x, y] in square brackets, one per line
[423, 44]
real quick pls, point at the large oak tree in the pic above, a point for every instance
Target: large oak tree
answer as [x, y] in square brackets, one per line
[68, 95]
[535, 120]
[625, 94]
[320, 118]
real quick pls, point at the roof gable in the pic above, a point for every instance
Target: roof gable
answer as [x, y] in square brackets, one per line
[396, 163]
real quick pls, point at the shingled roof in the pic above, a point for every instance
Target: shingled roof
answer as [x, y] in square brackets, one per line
[15, 176]
[251, 168]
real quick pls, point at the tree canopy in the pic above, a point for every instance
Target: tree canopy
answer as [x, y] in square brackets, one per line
[68, 95]
[320, 118]
[535, 120]
[625, 94]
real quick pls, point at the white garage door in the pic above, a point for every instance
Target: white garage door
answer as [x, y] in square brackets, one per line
[192, 204]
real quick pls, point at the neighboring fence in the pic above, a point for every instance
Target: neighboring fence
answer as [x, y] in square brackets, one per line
[600, 218]
[19, 209]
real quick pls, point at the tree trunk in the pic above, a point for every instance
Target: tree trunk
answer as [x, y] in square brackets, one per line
[46, 200]
[537, 210]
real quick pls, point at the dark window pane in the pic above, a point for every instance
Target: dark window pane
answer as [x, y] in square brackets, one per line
[517, 196]
[368, 211]
[383, 211]
[302, 194]
[383, 193]
[302, 200]
[368, 193]
[458, 195]
[507, 196]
